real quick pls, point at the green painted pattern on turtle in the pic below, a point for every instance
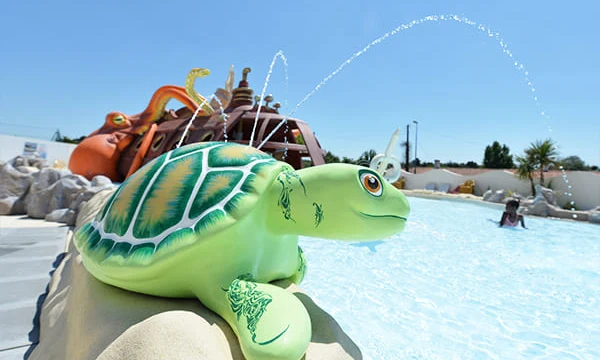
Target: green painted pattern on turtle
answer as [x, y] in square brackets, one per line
[221, 221]
[319, 213]
[145, 218]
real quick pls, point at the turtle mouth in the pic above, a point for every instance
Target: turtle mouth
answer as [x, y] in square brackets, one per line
[383, 216]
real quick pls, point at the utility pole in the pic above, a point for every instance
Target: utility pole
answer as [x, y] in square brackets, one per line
[406, 166]
[416, 131]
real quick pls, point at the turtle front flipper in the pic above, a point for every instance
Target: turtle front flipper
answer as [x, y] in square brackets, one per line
[270, 322]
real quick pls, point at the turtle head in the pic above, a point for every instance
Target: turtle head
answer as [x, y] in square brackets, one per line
[337, 201]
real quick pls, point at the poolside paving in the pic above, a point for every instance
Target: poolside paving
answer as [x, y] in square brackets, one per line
[28, 250]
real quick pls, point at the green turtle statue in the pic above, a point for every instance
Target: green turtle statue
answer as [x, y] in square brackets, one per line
[219, 221]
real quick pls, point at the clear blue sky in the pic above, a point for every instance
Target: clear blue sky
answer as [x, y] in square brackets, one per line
[65, 64]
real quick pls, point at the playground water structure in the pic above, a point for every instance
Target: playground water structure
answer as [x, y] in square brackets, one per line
[453, 285]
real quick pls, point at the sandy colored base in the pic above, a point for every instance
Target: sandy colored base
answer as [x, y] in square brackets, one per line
[83, 318]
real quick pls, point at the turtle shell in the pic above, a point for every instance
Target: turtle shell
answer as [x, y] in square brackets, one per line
[177, 199]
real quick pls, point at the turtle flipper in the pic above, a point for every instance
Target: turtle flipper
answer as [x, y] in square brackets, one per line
[300, 270]
[270, 322]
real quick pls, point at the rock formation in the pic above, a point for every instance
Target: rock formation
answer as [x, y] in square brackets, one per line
[29, 188]
[543, 204]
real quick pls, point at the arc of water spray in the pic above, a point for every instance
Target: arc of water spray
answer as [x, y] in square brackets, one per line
[204, 102]
[463, 20]
[279, 54]
[436, 18]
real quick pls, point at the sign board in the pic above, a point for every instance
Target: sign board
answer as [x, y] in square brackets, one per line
[31, 149]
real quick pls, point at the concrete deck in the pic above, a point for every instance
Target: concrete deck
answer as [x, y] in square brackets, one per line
[28, 250]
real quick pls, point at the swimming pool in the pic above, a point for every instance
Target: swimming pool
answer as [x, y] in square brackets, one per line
[455, 286]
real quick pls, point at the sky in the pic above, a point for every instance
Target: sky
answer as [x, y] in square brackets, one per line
[66, 64]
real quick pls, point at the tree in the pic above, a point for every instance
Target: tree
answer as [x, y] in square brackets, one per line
[58, 137]
[497, 157]
[68, 140]
[471, 165]
[330, 158]
[366, 157]
[347, 160]
[543, 153]
[525, 169]
[300, 139]
[573, 162]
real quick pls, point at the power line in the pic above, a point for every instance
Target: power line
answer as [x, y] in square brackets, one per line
[29, 126]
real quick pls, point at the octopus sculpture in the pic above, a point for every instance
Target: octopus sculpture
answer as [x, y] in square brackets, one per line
[127, 142]
[99, 152]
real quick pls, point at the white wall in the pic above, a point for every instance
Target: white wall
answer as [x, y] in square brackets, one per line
[585, 185]
[13, 146]
[585, 189]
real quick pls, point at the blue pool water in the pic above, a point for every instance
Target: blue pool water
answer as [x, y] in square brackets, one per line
[455, 286]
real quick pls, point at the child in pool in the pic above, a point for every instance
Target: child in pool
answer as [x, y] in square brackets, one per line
[510, 216]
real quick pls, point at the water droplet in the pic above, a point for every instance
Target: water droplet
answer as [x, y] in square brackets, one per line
[561, 167]
[574, 216]
[570, 187]
[572, 202]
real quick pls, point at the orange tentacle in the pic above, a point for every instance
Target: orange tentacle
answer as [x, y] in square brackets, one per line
[142, 151]
[100, 152]
[158, 102]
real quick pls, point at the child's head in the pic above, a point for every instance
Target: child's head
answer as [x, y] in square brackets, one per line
[512, 205]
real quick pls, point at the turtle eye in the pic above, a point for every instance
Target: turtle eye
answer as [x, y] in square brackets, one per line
[371, 183]
[118, 120]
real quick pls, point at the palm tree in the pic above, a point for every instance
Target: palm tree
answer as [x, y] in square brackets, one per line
[543, 154]
[525, 169]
